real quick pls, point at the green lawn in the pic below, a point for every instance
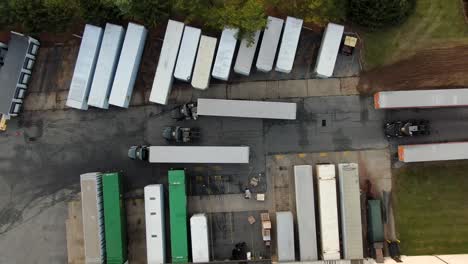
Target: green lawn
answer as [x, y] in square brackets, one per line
[431, 208]
[434, 23]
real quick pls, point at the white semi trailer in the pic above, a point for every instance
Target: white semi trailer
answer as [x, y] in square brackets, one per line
[421, 98]
[162, 83]
[305, 208]
[289, 42]
[84, 68]
[225, 54]
[270, 39]
[200, 238]
[246, 54]
[285, 236]
[187, 53]
[247, 109]
[433, 152]
[328, 211]
[106, 65]
[328, 51]
[203, 63]
[351, 227]
[154, 221]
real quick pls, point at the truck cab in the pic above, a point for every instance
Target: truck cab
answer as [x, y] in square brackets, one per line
[138, 153]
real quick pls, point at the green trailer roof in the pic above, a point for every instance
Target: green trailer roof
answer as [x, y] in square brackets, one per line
[114, 219]
[178, 216]
[375, 225]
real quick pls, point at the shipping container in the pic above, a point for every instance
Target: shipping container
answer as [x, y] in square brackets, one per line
[328, 211]
[271, 36]
[305, 210]
[162, 83]
[421, 98]
[433, 152]
[93, 218]
[328, 51]
[198, 154]
[129, 63]
[106, 65]
[375, 225]
[200, 238]
[225, 54]
[187, 52]
[285, 236]
[351, 226]
[84, 68]
[289, 42]
[247, 109]
[155, 226]
[178, 216]
[204, 61]
[114, 219]
[246, 54]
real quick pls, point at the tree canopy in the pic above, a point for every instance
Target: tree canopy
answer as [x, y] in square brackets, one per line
[375, 14]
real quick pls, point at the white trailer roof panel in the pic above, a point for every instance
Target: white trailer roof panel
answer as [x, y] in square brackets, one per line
[187, 52]
[351, 227]
[247, 109]
[198, 154]
[129, 63]
[270, 39]
[199, 238]
[154, 222]
[433, 152]
[106, 65]
[163, 78]
[225, 53]
[328, 51]
[205, 55]
[84, 68]
[93, 218]
[246, 54]
[285, 236]
[305, 210]
[289, 42]
[421, 98]
[328, 210]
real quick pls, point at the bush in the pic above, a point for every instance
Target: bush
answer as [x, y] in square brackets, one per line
[376, 14]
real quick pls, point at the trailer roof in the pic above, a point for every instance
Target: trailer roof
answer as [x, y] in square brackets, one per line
[204, 61]
[289, 42]
[178, 216]
[129, 63]
[328, 51]
[187, 52]
[225, 54]
[421, 98]
[433, 152]
[270, 39]
[154, 222]
[198, 154]
[246, 54]
[285, 236]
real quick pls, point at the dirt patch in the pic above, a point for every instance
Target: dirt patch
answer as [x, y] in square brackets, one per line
[430, 69]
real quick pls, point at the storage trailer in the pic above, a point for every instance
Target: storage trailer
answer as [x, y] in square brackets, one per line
[350, 205]
[305, 210]
[155, 226]
[93, 218]
[187, 52]
[271, 36]
[328, 51]
[114, 219]
[225, 54]
[433, 152]
[375, 223]
[203, 63]
[247, 109]
[200, 238]
[163, 78]
[285, 236]
[289, 42]
[84, 68]
[106, 65]
[178, 216]
[129, 63]
[421, 98]
[198, 154]
[328, 211]
[246, 54]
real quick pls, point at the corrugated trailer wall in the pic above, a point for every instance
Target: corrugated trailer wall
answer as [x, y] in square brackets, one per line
[178, 216]
[114, 219]
[351, 227]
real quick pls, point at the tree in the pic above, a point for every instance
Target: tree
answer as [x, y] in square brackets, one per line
[375, 14]
[148, 12]
[316, 11]
[100, 11]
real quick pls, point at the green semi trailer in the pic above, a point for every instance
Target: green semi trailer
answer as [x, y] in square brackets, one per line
[178, 216]
[114, 219]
